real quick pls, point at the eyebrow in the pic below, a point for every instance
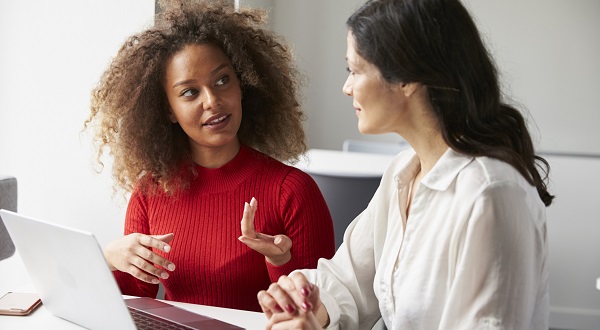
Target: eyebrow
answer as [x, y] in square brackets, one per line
[212, 73]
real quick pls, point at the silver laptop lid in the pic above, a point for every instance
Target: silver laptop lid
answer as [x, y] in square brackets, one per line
[69, 272]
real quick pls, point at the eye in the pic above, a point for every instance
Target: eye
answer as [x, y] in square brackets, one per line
[223, 80]
[189, 92]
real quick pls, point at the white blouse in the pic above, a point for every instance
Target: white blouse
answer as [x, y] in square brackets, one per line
[472, 254]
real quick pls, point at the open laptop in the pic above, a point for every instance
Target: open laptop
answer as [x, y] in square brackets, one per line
[72, 278]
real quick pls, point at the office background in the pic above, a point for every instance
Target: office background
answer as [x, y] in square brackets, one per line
[52, 54]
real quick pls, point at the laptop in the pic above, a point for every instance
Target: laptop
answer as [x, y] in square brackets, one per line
[71, 276]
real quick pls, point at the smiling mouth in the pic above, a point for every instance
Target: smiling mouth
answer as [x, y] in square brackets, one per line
[216, 121]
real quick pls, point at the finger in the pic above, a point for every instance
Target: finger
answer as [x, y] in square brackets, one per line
[262, 243]
[154, 259]
[301, 282]
[267, 244]
[140, 269]
[307, 296]
[167, 238]
[280, 292]
[155, 241]
[283, 242]
[247, 222]
[268, 305]
[148, 266]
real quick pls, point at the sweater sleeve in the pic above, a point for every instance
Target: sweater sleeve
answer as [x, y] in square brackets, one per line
[136, 221]
[307, 222]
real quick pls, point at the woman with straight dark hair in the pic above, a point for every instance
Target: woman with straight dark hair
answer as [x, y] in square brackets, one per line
[455, 236]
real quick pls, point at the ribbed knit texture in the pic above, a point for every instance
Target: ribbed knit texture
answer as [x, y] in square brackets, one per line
[212, 266]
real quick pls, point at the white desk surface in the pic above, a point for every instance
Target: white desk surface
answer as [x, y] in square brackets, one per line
[344, 164]
[14, 277]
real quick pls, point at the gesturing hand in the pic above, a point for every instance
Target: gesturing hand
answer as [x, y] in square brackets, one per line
[275, 248]
[132, 254]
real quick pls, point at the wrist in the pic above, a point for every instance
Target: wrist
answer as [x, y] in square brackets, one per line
[322, 315]
[279, 260]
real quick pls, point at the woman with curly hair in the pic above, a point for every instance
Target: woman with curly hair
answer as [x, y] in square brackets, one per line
[455, 236]
[198, 112]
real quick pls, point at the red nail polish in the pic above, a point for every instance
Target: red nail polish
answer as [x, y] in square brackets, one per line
[290, 308]
[304, 291]
[307, 306]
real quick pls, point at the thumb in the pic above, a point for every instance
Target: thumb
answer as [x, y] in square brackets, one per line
[283, 242]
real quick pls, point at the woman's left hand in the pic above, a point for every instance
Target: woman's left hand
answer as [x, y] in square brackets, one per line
[275, 248]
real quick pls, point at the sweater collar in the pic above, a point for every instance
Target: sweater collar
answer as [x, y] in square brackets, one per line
[230, 175]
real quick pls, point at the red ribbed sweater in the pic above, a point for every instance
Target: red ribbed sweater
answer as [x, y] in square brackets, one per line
[212, 266]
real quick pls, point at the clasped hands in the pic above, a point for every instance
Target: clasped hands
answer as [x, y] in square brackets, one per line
[293, 303]
[133, 253]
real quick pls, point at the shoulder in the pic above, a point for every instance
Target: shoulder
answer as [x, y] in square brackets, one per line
[491, 172]
[502, 189]
[277, 169]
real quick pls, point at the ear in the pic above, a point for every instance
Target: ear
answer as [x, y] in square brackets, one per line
[408, 89]
[172, 116]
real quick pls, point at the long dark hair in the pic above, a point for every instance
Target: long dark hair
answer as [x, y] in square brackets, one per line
[436, 43]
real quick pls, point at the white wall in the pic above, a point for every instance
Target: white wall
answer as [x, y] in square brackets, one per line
[548, 52]
[52, 54]
[316, 31]
[574, 236]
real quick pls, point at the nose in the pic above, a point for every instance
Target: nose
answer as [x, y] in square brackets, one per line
[211, 99]
[347, 88]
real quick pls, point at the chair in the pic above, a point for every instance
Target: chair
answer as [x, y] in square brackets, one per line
[349, 178]
[8, 201]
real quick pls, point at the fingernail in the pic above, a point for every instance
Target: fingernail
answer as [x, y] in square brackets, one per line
[290, 308]
[155, 281]
[307, 306]
[278, 240]
[305, 292]
[171, 267]
[167, 248]
[164, 275]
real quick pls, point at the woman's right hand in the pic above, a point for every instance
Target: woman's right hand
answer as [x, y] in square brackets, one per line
[293, 302]
[133, 254]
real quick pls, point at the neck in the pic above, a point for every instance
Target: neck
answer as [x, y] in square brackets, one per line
[215, 157]
[429, 152]
[422, 132]
[424, 135]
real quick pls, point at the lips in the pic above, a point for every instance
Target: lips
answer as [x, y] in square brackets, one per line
[215, 120]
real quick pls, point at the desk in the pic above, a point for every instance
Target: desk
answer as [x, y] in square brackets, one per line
[347, 181]
[14, 277]
[342, 164]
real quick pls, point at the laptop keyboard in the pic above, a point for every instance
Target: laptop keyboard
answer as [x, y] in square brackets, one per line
[145, 321]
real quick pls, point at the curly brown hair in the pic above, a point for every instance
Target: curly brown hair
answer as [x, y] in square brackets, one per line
[129, 107]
